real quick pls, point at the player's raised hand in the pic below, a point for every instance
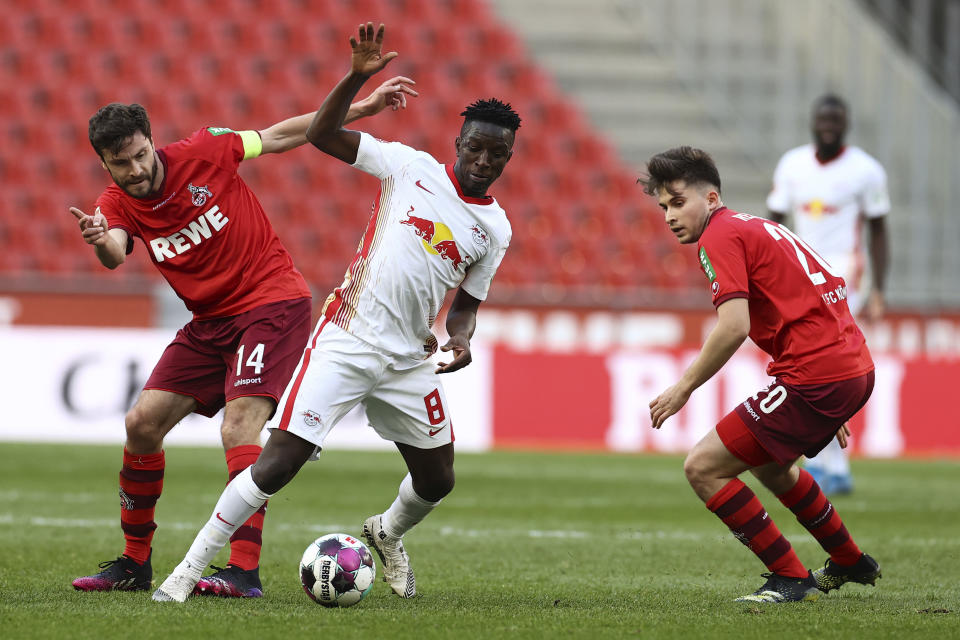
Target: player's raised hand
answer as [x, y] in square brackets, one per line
[392, 93]
[367, 58]
[460, 346]
[93, 228]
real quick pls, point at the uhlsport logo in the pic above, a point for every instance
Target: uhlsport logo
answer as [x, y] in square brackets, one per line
[436, 237]
[200, 194]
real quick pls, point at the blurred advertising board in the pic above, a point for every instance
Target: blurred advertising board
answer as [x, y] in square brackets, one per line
[75, 385]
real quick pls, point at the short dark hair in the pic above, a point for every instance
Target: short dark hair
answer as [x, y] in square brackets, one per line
[830, 100]
[112, 125]
[693, 166]
[493, 111]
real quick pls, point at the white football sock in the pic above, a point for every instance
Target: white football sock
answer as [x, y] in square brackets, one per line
[406, 511]
[237, 503]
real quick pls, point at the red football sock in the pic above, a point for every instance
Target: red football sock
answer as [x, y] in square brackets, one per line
[141, 482]
[245, 544]
[817, 514]
[740, 510]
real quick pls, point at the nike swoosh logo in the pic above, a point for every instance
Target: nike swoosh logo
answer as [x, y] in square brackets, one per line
[424, 188]
[222, 520]
[434, 432]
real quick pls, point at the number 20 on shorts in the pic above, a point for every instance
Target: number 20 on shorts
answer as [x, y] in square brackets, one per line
[774, 399]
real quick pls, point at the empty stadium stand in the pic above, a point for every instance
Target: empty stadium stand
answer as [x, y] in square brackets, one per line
[583, 232]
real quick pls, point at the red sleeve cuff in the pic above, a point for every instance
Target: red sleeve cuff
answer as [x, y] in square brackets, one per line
[729, 296]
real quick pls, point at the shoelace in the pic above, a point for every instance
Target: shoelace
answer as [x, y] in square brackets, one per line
[110, 563]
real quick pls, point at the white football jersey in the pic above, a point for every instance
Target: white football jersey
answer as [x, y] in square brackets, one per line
[826, 202]
[424, 238]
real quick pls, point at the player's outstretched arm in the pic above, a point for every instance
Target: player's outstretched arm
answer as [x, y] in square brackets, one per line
[733, 327]
[292, 132]
[109, 244]
[879, 248]
[326, 132]
[461, 323]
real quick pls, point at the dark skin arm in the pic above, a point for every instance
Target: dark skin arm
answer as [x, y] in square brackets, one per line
[778, 217]
[878, 246]
[461, 323]
[326, 132]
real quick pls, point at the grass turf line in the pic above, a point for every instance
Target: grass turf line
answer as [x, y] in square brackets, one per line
[528, 545]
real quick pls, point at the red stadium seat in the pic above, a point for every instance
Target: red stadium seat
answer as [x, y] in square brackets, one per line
[578, 217]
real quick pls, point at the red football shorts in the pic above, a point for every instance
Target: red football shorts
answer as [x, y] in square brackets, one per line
[789, 421]
[250, 354]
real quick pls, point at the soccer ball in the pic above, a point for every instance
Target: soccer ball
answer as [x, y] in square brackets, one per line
[337, 570]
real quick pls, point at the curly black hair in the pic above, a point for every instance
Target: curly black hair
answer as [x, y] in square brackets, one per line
[493, 111]
[113, 125]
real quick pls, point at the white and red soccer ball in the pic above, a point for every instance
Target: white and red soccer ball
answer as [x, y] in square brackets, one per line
[337, 570]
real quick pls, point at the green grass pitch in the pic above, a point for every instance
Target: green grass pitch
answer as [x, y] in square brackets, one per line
[529, 545]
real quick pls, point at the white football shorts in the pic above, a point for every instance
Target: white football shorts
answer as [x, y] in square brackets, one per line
[403, 398]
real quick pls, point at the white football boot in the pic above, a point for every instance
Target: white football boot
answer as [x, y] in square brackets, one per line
[396, 563]
[179, 584]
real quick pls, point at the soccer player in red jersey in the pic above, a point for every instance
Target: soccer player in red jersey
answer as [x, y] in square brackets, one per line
[207, 234]
[769, 285]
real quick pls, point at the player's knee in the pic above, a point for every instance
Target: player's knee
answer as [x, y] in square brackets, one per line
[694, 469]
[143, 429]
[238, 431]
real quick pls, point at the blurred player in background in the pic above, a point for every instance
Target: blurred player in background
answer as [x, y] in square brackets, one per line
[769, 285]
[209, 237]
[829, 189]
[433, 229]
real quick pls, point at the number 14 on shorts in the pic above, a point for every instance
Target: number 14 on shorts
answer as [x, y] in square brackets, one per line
[253, 362]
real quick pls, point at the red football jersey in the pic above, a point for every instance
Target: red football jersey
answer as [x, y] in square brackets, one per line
[206, 232]
[797, 302]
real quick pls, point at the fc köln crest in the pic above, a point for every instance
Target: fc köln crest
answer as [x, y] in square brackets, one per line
[200, 194]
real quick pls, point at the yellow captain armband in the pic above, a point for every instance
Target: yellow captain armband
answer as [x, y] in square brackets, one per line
[252, 144]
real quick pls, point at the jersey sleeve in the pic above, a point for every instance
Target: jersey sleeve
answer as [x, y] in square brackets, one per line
[723, 259]
[875, 199]
[380, 158]
[116, 217]
[778, 200]
[480, 274]
[225, 147]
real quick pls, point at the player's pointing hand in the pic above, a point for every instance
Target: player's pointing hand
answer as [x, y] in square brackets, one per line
[94, 228]
[367, 59]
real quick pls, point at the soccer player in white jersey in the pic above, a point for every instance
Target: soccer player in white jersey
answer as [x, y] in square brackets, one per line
[434, 228]
[829, 189]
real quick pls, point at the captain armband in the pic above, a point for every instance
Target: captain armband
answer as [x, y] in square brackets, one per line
[252, 144]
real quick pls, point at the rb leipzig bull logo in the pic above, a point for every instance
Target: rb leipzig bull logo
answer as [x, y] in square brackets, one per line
[436, 237]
